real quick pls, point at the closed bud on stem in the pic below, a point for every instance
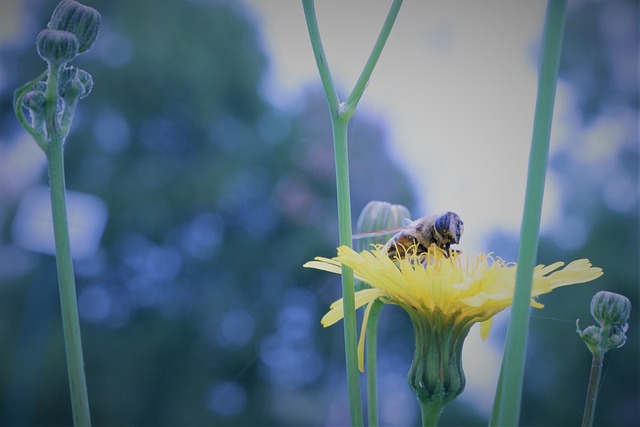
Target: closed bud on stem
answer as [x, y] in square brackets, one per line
[82, 21]
[612, 312]
[57, 47]
[610, 309]
[75, 83]
[590, 336]
[618, 336]
[34, 101]
[376, 216]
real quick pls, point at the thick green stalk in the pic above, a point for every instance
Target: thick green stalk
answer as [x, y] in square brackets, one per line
[66, 281]
[371, 363]
[508, 397]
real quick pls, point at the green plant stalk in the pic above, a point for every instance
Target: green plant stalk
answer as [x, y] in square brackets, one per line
[66, 281]
[592, 390]
[340, 114]
[348, 285]
[509, 394]
[339, 125]
[371, 364]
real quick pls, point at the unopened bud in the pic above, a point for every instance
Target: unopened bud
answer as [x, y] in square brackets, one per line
[75, 83]
[618, 336]
[377, 216]
[590, 336]
[610, 309]
[57, 47]
[34, 101]
[82, 21]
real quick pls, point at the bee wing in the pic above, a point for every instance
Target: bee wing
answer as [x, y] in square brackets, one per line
[378, 232]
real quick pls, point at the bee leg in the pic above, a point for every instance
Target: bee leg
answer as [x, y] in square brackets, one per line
[446, 248]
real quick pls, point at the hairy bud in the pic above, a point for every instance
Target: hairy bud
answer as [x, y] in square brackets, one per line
[75, 83]
[35, 101]
[609, 308]
[82, 21]
[57, 47]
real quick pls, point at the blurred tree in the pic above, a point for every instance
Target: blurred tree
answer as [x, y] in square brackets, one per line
[196, 308]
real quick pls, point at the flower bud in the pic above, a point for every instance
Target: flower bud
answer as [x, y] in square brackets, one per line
[57, 47]
[34, 101]
[378, 216]
[75, 83]
[610, 309]
[590, 336]
[617, 337]
[82, 21]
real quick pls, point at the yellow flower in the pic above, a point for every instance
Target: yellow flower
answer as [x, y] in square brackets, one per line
[453, 292]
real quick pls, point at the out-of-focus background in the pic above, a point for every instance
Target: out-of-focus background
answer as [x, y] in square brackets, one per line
[200, 172]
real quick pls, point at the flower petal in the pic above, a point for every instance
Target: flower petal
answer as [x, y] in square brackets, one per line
[485, 328]
[336, 311]
[363, 334]
[575, 272]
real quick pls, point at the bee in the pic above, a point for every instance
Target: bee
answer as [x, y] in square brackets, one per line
[441, 230]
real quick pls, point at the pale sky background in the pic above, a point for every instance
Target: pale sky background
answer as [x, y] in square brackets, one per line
[456, 85]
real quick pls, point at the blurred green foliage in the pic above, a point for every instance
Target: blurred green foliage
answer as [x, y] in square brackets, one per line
[196, 310]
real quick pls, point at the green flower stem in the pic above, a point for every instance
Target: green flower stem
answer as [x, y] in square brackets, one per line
[68, 301]
[339, 127]
[508, 397]
[340, 115]
[592, 390]
[348, 285]
[371, 364]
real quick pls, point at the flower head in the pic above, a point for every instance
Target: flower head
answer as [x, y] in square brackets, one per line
[459, 290]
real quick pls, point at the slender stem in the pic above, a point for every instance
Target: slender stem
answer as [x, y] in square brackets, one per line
[592, 391]
[339, 125]
[321, 59]
[371, 361]
[66, 281]
[363, 80]
[512, 371]
[348, 286]
[340, 115]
